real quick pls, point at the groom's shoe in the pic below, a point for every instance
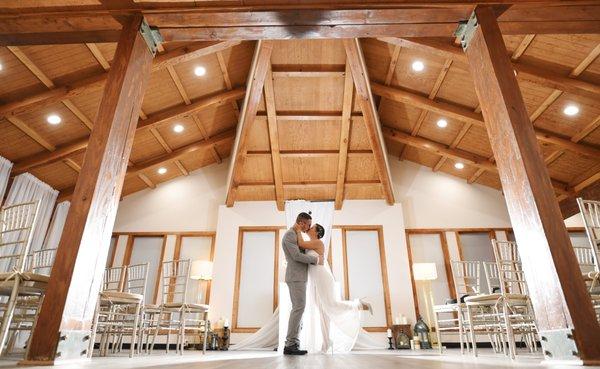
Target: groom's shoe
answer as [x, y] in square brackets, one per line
[293, 350]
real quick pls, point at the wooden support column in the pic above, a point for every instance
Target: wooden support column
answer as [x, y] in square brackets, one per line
[565, 318]
[63, 327]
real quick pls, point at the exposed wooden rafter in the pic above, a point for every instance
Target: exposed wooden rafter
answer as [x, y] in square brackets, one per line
[70, 148]
[364, 95]
[269, 94]
[344, 137]
[95, 82]
[255, 84]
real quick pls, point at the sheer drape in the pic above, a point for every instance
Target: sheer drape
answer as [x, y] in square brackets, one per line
[27, 188]
[5, 167]
[56, 225]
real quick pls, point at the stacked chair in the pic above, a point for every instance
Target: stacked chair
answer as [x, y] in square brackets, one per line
[590, 211]
[502, 315]
[176, 314]
[23, 277]
[119, 307]
[450, 317]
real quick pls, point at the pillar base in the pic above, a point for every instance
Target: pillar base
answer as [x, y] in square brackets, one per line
[558, 345]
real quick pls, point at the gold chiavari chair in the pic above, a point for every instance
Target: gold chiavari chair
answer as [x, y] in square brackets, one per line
[450, 318]
[176, 314]
[119, 306]
[17, 224]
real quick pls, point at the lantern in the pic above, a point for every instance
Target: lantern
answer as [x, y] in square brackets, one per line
[422, 331]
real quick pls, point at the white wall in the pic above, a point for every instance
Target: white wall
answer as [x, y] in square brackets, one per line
[357, 212]
[187, 203]
[438, 200]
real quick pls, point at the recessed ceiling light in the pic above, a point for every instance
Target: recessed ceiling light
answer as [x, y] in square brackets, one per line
[0, 66]
[199, 71]
[162, 170]
[178, 128]
[418, 66]
[571, 110]
[442, 123]
[459, 165]
[53, 119]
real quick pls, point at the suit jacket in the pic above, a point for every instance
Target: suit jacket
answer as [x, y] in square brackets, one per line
[297, 261]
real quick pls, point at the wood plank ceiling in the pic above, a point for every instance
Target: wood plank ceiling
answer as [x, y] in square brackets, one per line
[309, 138]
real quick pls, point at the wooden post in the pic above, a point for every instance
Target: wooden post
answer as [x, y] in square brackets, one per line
[564, 315]
[64, 321]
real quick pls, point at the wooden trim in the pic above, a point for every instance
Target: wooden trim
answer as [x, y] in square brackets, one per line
[447, 265]
[212, 259]
[168, 233]
[236, 287]
[384, 273]
[459, 246]
[238, 270]
[128, 250]
[412, 278]
[159, 272]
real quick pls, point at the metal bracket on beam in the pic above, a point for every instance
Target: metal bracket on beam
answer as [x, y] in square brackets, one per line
[559, 345]
[73, 345]
[152, 36]
[466, 30]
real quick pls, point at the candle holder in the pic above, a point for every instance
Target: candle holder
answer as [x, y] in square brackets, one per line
[390, 343]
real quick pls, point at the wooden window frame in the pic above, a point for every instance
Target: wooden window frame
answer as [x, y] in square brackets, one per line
[129, 250]
[238, 265]
[447, 264]
[383, 263]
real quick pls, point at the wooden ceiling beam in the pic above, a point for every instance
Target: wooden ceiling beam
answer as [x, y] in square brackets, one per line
[46, 81]
[463, 156]
[93, 83]
[140, 168]
[50, 38]
[227, 81]
[344, 137]
[76, 146]
[355, 59]
[269, 94]
[532, 73]
[34, 135]
[463, 114]
[255, 84]
[307, 183]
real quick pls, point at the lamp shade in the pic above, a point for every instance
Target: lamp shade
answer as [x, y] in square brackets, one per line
[424, 271]
[201, 269]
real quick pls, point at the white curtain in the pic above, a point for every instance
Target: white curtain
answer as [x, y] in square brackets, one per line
[56, 225]
[27, 188]
[5, 167]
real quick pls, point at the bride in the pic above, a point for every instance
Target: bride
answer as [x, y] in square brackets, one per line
[340, 320]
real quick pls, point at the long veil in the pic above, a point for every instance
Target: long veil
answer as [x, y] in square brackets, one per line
[272, 334]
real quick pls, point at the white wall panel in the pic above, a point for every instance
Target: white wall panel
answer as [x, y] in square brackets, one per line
[148, 250]
[196, 248]
[255, 305]
[427, 248]
[365, 279]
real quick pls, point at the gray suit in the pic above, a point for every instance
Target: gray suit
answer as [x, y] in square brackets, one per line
[296, 275]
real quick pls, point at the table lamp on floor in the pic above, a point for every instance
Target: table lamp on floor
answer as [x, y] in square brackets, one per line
[202, 271]
[426, 272]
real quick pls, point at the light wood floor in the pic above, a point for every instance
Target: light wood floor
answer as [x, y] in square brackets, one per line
[270, 360]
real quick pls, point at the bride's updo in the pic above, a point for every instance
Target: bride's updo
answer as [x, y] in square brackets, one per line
[319, 230]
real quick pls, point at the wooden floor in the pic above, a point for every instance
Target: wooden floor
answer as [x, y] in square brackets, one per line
[270, 360]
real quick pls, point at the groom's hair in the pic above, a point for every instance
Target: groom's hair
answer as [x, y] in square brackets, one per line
[303, 216]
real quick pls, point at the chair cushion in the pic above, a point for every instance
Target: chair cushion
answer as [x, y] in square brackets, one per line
[124, 297]
[179, 305]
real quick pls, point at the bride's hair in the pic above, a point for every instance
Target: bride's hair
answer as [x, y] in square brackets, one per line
[320, 230]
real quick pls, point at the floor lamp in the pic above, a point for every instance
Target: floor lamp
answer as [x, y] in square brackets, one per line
[202, 271]
[426, 272]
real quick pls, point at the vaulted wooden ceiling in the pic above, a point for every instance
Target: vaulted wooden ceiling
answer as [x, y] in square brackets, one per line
[296, 147]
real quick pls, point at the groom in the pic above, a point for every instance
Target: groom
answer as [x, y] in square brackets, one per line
[295, 277]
